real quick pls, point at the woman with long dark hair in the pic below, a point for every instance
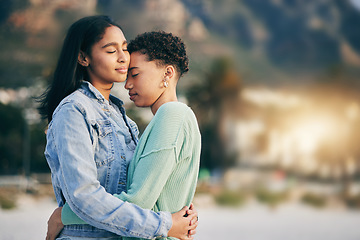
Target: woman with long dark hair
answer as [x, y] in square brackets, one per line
[90, 140]
[162, 175]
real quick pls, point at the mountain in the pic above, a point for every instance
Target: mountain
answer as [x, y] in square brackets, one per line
[297, 37]
[31, 33]
[270, 41]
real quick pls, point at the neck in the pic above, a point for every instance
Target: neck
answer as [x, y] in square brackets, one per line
[169, 96]
[104, 89]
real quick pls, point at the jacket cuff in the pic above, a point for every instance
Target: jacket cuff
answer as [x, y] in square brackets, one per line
[165, 224]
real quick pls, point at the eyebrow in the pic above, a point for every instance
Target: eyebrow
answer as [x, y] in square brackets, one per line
[113, 44]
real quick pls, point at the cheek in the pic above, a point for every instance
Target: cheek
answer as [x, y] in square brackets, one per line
[153, 90]
[151, 87]
[97, 62]
[127, 58]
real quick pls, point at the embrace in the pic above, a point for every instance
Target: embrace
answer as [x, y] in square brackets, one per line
[108, 183]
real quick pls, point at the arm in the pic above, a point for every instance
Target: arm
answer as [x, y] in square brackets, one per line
[183, 227]
[151, 174]
[146, 188]
[77, 175]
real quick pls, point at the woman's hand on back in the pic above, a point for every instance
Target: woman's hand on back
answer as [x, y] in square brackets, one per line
[54, 224]
[184, 223]
[194, 221]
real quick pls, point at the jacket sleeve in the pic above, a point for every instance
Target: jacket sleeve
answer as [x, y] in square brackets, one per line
[149, 179]
[77, 175]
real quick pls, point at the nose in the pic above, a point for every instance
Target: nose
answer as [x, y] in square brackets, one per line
[123, 56]
[128, 84]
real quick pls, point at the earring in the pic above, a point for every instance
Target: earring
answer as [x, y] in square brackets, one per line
[166, 84]
[84, 64]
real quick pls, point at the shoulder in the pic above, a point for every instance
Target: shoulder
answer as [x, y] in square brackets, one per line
[75, 101]
[174, 114]
[175, 109]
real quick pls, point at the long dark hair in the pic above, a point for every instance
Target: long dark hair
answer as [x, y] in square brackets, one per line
[81, 36]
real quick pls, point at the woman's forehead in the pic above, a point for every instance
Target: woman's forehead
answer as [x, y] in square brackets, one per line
[113, 36]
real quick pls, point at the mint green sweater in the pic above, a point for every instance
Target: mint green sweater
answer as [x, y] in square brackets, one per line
[162, 175]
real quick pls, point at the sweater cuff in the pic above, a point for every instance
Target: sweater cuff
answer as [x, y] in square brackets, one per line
[69, 217]
[165, 224]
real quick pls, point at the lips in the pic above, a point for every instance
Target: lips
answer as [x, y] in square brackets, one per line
[132, 96]
[122, 70]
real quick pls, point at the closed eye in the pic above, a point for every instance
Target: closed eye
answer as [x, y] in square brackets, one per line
[112, 51]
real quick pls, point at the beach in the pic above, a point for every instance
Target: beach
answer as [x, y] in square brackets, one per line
[253, 221]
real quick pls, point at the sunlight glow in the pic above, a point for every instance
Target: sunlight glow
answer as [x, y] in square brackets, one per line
[309, 132]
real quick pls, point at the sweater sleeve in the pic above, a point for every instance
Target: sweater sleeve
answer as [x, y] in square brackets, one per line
[156, 157]
[149, 178]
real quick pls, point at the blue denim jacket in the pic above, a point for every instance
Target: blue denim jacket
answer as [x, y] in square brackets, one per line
[87, 158]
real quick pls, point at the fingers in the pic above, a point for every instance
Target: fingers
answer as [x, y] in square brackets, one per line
[192, 232]
[184, 211]
[192, 210]
[187, 237]
[54, 225]
[49, 237]
[191, 206]
[194, 220]
[189, 212]
[185, 208]
[193, 216]
[193, 226]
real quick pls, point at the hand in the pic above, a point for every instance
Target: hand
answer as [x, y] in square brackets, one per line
[54, 224]
[194, 220]
[182, 227]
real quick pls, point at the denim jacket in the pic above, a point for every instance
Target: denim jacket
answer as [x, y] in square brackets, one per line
[87, 158]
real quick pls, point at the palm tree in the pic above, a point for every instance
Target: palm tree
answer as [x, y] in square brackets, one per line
[214, 100]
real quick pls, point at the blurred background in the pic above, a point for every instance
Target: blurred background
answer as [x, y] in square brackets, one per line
[275, 87]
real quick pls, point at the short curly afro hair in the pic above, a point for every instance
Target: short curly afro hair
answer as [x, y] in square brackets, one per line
[164, 47]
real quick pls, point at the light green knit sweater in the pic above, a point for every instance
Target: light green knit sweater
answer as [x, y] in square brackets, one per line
[162, 175]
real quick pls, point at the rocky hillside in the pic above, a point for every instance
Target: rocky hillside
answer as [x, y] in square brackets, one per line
[294, 35]
[269, 40]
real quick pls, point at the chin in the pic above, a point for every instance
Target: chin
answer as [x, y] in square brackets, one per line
[121, 80]
[140, 105]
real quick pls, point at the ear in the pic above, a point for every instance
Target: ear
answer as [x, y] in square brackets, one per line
[83, 59]
[170, 71]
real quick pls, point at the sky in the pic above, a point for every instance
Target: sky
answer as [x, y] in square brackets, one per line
[356, 3]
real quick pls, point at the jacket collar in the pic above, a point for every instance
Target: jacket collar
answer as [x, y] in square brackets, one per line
[88, 89]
